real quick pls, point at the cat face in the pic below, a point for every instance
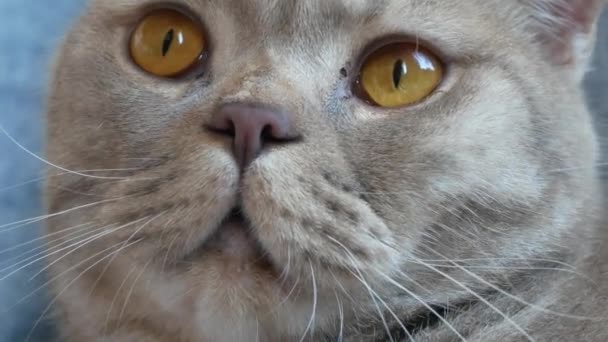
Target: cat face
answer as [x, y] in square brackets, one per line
[345, 205]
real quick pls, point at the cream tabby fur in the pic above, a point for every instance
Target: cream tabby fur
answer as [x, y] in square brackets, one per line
[481, 204]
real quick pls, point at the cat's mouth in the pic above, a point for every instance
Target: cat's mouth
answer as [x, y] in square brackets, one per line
[234, 241]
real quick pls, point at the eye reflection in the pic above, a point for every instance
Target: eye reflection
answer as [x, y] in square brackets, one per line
[424, 62]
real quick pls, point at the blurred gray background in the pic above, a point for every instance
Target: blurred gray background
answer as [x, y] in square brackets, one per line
[30, 31]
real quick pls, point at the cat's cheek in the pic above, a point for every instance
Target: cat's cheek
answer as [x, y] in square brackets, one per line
[322, 231]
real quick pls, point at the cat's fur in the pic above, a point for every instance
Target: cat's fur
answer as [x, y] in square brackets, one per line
[482, 203]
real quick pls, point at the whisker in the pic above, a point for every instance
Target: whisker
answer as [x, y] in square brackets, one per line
[43, 178]
[599, 166]
[59, 295]
[88, 241]
[65, 272]
[77, 228]
[413, 281]
[480, 298]
[515, 298]
[571, 169]
[111, 307]
[175, 298]
[45, 217]
[455, 232]
[166, 258]
[423, 302]
[18, 185]
[557, 262]
[257, 329]
[46, 251]
[350, 298]
[341, 317]
[293, 288]
[568, 268]
[126, 303]
[519, 269]
[105, 268]
[285, 272]
[373, 294]
[375, 299]
[314, 305]
[342, 287]
[14, 141]
[139, 229]
[46, 255]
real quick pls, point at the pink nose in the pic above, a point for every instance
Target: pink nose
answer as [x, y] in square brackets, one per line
[251, 127]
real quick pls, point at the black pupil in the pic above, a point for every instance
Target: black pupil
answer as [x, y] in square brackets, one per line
[399, 71]
[167, 41]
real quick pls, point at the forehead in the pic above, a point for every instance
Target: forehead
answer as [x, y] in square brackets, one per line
[298, 12]
[306, 10]
[450, 24]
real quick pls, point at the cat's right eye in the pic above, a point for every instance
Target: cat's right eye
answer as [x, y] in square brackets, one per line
[167, 43]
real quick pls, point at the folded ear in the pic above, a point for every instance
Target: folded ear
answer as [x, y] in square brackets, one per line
[566, 28]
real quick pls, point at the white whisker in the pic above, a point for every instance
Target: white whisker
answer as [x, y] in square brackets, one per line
[571, 169]
[77, 229]
[68, 171]
[85, 243]
[483, 300]
[282, 302]
[45, 217]
[456, 233]
[111, 307]
[342, 287]
[46, 251]
[42, 178]
[373, 294]
[557, 262]
[63, 273]
[105, 269]
[59, 295]
[257, 329]
[514, 268]
[430, 308]
[285, 272]
[126, 302]
[341, 317]
[166, 258]
[515, 298]
[310, 325]
[45, 256]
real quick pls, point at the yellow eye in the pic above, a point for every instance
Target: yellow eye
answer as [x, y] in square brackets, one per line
[398, 75]
[167, 43]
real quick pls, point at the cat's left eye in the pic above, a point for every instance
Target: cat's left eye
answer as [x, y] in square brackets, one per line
[399, 75]
[167, 43]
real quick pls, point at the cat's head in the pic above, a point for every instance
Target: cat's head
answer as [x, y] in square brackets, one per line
[268, 151]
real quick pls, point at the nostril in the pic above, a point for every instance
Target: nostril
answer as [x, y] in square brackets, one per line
[225, 128]
[267, 133]
[274, 134]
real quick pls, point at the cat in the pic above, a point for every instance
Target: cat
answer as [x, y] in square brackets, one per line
[326, 170]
